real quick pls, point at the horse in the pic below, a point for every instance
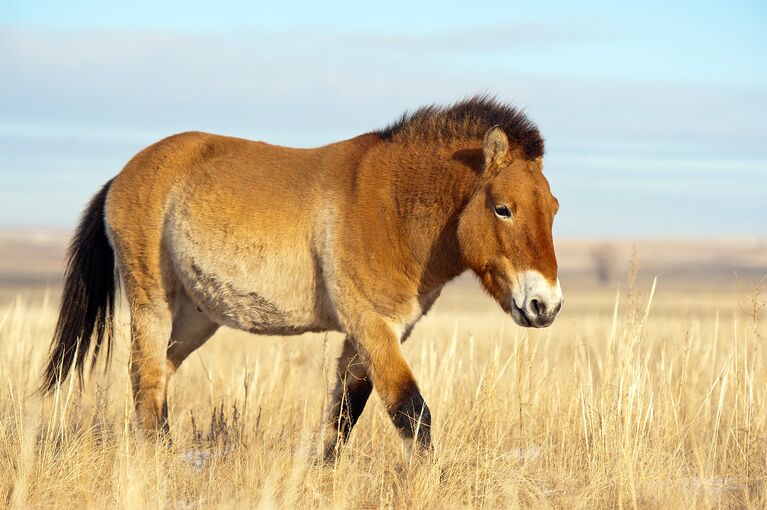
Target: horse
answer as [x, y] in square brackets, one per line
[359, 237]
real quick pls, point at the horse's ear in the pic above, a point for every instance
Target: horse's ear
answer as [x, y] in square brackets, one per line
[495, 145]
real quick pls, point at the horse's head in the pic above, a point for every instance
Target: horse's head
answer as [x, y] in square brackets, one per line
[505, 235]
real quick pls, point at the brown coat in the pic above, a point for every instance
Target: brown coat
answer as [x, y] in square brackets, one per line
[358, 236]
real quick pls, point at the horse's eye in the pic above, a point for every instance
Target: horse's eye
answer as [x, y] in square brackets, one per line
[502, 212]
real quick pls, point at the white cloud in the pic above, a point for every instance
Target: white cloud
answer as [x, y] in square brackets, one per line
[311, 83]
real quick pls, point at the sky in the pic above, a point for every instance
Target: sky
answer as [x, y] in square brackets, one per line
[654, 113]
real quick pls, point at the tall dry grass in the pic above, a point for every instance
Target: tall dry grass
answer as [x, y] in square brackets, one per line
[630, 400]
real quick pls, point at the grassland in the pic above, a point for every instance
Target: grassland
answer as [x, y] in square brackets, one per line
[633, 398]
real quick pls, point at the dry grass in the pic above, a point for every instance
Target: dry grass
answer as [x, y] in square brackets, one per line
[618, 404]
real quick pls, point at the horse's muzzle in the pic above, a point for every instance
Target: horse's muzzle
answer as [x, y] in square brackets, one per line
[535, 303]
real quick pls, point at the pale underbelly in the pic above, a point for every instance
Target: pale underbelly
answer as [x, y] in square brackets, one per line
[246, 305]
[277, 295]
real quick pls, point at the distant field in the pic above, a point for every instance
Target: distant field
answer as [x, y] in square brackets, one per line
[625, 401]
[34, 259]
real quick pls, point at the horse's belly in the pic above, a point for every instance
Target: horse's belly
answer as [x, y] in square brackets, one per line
[281, 294]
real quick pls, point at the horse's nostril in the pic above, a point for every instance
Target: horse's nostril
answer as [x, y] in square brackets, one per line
[537, 307]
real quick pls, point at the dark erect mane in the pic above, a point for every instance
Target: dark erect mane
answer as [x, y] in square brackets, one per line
[470, 118]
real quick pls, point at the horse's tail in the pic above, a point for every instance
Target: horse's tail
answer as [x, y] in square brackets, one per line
[88, 301]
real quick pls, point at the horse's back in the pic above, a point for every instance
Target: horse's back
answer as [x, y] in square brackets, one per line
[235, 225]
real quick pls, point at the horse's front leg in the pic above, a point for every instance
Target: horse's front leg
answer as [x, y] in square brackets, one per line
[394, 382]
[348, 400]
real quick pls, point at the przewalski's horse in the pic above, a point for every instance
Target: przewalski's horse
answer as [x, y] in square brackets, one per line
[358, 236]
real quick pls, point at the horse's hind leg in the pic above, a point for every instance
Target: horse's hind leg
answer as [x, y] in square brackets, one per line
[191, 329]
[150, 330]
[161, 340]
[348, 400]
[150, 297]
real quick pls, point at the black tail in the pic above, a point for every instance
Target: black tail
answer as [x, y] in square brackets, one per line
[88, 301]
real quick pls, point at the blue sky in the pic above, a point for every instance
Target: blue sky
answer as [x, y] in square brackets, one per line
[655, 113]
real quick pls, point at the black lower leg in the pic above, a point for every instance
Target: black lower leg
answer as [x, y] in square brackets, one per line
[412, 418]
[165, 424]
[351, 407]
[349, 403]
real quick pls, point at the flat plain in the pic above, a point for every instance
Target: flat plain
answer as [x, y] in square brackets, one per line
[647, 392]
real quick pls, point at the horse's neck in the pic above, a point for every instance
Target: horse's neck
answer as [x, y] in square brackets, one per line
[431, 192]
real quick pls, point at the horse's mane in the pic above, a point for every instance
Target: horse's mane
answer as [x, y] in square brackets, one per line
[469, 118]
